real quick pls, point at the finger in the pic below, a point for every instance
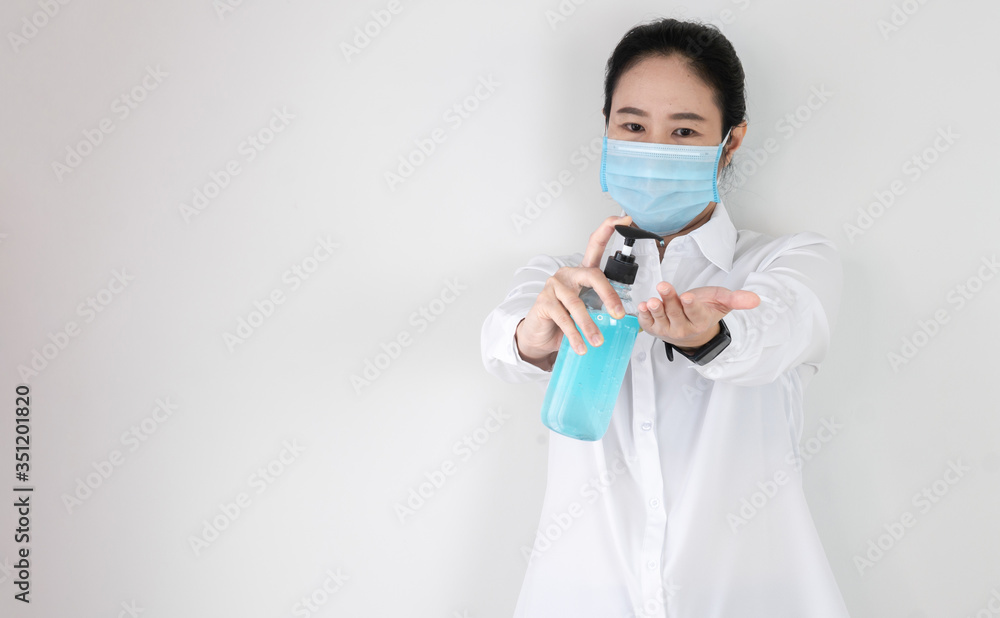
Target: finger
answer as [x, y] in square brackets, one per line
[722, 303]
[595, 279]
[672, 306]
[743, 299]
[699, 314]
[571, 301]
[599, 240]
[723, 300]
[661, 321]
[645, 318]
[558, 314]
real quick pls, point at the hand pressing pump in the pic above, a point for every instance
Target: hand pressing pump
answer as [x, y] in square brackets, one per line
[583, 389]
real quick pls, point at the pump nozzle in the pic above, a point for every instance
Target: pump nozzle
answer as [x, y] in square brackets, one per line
[632, 234]
[622, 266]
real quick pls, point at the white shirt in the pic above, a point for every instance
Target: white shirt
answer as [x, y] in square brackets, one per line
[691, 505]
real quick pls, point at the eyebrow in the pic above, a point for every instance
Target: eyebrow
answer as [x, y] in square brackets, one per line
[678, 116]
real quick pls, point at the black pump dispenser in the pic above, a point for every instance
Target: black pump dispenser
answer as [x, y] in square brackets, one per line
[622, 267]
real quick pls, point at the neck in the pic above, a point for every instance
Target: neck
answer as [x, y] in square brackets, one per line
[696, 223]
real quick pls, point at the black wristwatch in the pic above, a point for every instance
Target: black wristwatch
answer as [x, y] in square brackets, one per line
[706, 353]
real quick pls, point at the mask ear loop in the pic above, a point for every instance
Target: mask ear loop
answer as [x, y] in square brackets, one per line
[715, 173]
[604, 159]
[726, 138]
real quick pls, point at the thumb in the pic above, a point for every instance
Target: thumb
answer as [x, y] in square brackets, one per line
[742, 299]
[600, 238]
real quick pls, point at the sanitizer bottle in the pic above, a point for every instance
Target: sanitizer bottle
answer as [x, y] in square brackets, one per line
[583, 388]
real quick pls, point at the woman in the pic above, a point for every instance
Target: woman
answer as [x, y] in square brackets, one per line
[691, 505]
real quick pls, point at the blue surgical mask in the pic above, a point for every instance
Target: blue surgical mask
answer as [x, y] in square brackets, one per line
[663, 187]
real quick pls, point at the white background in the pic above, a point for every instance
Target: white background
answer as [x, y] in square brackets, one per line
[361, 448]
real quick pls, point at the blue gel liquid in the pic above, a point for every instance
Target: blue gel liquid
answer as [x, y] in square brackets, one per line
[584, 388]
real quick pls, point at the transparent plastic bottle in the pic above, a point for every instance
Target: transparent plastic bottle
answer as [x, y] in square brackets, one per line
[583, 389]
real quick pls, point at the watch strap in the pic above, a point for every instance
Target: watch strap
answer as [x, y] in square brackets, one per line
[707, 352]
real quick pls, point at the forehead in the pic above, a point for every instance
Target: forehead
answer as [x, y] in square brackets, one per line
[660, 85]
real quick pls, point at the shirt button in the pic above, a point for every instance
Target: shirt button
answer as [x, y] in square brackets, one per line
[651, 564]
[654, 503]
[647, 426]
[641, 356]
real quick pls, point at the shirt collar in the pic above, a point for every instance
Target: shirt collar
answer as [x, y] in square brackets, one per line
[717, 238]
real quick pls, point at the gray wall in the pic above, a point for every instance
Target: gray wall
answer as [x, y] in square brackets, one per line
[191, 465]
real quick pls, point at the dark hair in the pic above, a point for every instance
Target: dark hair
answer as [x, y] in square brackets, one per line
[709, 53]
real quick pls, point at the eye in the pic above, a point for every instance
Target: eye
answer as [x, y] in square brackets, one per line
[690, 132]
[632, 127]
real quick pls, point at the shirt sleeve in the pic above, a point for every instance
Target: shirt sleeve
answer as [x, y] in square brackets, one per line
[499, 350]
[799, 287]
